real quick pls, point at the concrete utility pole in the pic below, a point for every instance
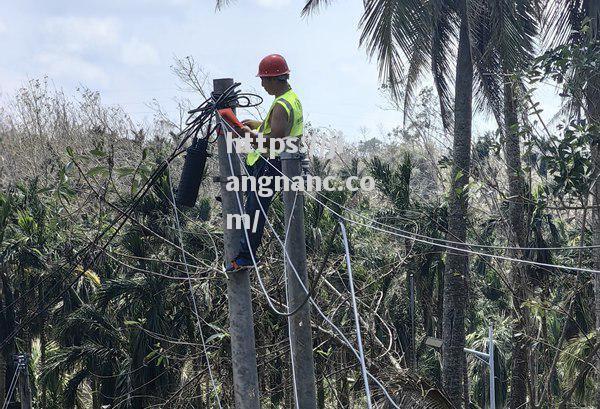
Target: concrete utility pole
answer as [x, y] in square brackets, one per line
[24, 386]
[241, 325]
[299, 323]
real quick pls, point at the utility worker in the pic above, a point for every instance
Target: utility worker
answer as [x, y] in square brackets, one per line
[284, 119]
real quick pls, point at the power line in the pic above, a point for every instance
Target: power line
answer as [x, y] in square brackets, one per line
[344, 339]
[429, 240]
[287, 301]
[191, 288]
[197, 120]
[363, 367]
[566, 248]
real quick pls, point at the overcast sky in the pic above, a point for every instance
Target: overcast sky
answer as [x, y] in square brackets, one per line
[124, 49]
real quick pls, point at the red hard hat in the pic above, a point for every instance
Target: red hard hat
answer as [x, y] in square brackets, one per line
[272, 65]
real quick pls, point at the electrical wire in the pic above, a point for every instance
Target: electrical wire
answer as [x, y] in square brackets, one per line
[260, 280]
[191, 288]
[145, 271]
[318, 309]
[363, 366]
[432, 243]
[428, 240]
[336, 329]
[287, 301]
[488, 246]
[199, 117]
[264, 212]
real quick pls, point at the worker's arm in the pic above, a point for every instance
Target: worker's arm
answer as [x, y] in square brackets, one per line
[279, 122]
[249, 129]
[279, 125]
[252, 123]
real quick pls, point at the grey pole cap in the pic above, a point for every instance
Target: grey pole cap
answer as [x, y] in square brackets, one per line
[291, 155]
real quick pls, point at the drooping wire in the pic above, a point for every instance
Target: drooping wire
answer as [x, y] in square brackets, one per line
[363, 366]
[194, 125]
[430, 240]
[287, 301]
[254, 262]
[336, 329]
[191, 289]
[199, 117]
[427, 239]
[478, 245]
[433, 243]
[344, 339]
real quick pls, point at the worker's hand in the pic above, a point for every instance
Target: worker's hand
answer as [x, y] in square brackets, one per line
[246, 129]
[240, 132]
[252, 123]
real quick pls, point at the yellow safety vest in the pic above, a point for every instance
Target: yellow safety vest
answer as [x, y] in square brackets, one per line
[291, 103]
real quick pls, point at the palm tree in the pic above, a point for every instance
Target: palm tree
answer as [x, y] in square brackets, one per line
[566, 20]
[425, 33]
[507, 35]
[593, 109]
[494, 38]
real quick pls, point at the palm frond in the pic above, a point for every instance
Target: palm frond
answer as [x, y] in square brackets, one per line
[90, 322]
[393, 183]
[312, 6]
[219, 4]
[70, 392]
[503, 36]
[485, 27]
[573, 361]
[417, 62]
[559, 20]
[121, 287]
[61, 361]
[391, 30]
[443, 40]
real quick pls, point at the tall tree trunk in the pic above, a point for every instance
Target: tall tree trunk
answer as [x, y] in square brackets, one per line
[516, 216]
[593, 114]
[3, 368]
[96, 399]
[457, 267]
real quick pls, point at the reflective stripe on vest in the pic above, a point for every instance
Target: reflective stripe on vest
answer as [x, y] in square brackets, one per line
[291, 103]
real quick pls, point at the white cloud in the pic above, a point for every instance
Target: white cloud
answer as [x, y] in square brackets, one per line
[3, 28]
[136, 52]
[79, 33]
[273, 4]
[68, 66]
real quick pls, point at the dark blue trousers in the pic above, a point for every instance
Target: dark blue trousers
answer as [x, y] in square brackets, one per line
[253, 209]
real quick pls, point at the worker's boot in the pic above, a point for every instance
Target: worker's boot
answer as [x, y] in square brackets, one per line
[239, 263]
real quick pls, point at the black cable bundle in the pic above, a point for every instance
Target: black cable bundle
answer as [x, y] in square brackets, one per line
[192, 173]
[196, 154]
[198, 122]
